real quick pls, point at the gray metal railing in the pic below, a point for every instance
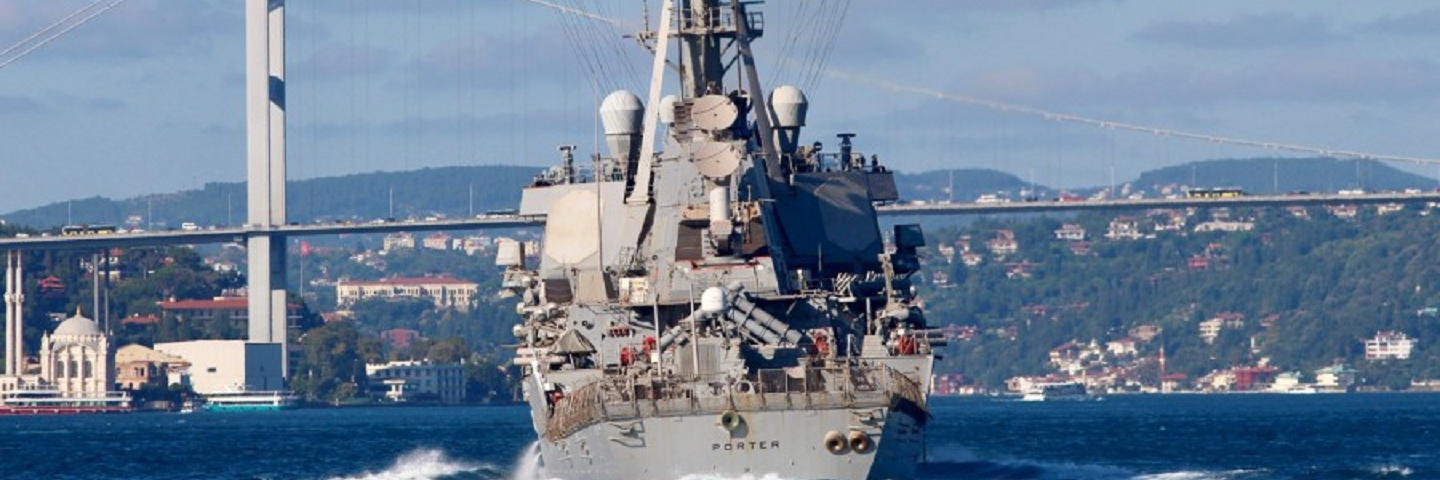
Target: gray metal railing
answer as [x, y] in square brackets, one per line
[781, 389]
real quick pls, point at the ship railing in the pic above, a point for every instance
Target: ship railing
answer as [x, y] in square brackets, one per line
[865, 386]
[53, 398]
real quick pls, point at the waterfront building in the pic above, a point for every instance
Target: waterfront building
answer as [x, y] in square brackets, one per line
[438, 241]
[1003, 244]
[1124, 228]
[75, 359]
[1122, 347]
[475, 244]
[233, 309]
[410, 380]
[1389, 345]
[137, 365]
[223, 366]
[1210, 328]
[445, 292]
[1287, 382]
[1070, 232]
[399, 240]
[1335, 377]
[1225, 226]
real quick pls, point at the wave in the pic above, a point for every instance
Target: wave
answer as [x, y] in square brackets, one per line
[768, 476]
[430, 464]
[1028, 470]
[1391, 470]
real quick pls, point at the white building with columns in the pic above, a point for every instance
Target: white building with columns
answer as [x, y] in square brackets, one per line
[76, 358]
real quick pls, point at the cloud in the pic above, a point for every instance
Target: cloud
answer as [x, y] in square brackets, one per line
[85, 104]
[134, 29]
[1423, 22]
[1317, 78]
[12, 105]
[970, 5]
[1246, 31]
[333, 61]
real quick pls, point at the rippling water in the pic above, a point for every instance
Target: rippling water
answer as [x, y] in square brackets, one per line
[1182, 437]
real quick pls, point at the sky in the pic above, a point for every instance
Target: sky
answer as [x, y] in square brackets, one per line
[148, 96]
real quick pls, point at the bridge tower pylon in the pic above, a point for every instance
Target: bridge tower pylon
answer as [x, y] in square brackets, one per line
[265, 171]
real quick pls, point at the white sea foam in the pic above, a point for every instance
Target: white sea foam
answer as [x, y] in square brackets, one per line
[528, 465]
[768, 476]
[423, 464]
[1188, 475]
[1392, 470]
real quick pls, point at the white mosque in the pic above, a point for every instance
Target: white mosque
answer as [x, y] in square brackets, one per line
[76, 362]
[76, 359]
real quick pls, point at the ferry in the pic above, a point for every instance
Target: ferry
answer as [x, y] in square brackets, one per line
[251, 401]
[1043, 392]
[53, 402]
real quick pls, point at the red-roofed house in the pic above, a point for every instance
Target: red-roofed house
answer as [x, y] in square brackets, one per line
[446, 292]
[138, 320]
[398, 338]
[234, 308]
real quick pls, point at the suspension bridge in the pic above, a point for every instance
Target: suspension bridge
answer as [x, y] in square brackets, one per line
[266, 228]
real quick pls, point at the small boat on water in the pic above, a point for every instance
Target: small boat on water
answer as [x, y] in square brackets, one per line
[1056, 391]
[54, 402]
[251, 401]
[191, 406]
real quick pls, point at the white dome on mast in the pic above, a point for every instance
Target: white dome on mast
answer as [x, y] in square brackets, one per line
[621, 113]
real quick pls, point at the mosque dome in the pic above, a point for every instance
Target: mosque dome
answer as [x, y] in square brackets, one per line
[78, 326]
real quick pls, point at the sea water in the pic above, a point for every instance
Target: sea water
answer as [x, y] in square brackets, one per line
[1141, 437]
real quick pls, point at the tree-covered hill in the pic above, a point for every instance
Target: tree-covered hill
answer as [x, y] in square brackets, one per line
[1309, 290]
[460, 191]
[420, 193]
[1281, 175]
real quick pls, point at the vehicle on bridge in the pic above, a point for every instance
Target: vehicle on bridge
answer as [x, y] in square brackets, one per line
[71, 230]
[1214, 193]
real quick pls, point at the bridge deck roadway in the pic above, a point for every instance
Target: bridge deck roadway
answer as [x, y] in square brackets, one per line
[237, 234]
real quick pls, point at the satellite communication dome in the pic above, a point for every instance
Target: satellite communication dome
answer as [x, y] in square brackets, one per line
[667, 109]
[713, 300]
[621, 113]
[789, 105]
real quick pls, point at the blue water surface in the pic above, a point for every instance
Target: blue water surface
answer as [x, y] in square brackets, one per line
[1180, 437]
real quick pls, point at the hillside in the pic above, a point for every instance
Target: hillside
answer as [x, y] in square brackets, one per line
[447, 191]
[968, 183]
[1264, 175]
[1305, 292]
[419, 193]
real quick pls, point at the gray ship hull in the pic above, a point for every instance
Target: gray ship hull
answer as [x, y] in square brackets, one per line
[670, 431]
[788, 444]
[726, 306]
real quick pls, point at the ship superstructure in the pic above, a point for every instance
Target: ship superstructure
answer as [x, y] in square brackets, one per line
[726, 305]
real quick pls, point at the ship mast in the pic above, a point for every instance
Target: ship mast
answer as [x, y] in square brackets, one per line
[701, 33]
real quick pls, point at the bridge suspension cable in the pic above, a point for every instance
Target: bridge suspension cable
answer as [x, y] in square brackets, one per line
[1057, 116]
[56, 30]
[577, 12]
[1116, 125]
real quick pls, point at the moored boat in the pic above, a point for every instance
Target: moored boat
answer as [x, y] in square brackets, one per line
[1055, 391]
[54, 402]
[251, 401]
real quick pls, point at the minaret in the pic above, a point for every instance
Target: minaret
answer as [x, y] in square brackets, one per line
[1163, 388]
[14, 314]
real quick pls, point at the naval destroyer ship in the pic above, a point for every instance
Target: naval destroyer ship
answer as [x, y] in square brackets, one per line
[727, 305]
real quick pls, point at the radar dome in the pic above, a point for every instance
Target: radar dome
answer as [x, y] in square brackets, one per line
[621, 113]
[789, 105]
[667, 109]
